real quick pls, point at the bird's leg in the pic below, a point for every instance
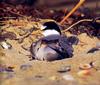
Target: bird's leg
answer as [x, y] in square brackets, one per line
[72, 11]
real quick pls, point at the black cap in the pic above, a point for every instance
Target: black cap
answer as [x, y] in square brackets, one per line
[52, 26]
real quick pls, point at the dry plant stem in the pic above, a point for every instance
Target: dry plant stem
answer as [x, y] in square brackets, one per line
[30, 33]
[72, 11]
[36, 32]
[83, 20]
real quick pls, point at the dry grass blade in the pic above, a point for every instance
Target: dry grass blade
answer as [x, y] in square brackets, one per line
[83, 20]
[72, 11]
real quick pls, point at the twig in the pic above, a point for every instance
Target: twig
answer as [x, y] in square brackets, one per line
[72, 11]
[83, 20]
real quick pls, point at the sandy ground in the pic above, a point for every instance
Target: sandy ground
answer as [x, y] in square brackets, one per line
[36, 72]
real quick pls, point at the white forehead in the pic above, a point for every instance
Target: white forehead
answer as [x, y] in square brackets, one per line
[42, 27]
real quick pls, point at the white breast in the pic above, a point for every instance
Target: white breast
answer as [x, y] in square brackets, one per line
[50, 32]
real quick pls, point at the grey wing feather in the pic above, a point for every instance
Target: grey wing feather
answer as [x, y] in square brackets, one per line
[67, 48]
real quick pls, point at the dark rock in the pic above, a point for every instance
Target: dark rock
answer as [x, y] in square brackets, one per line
[93, 50]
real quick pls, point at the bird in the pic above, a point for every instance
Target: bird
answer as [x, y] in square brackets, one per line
[53, 45]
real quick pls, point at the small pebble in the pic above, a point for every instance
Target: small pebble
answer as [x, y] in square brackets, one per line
[5, 45]
[64, 69]
[85, 66]
[25, 66]
[38, 76]
[93, 50]
[5, 69]
[9, 69]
